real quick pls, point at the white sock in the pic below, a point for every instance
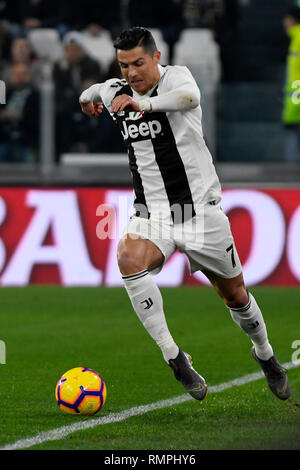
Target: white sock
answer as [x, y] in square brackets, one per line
[250, 320]
[147, 302]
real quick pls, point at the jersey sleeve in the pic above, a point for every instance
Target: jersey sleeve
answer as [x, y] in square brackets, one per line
[101, 92]
[179, 91]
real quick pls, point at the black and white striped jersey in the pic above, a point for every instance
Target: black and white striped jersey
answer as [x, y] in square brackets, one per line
[170, 163]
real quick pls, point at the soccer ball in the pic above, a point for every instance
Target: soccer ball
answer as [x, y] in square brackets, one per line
[80, 391]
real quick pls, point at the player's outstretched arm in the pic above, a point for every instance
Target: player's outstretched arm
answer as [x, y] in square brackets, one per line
[91, 109]
[179, 99]
[90, 101]
[179, 92]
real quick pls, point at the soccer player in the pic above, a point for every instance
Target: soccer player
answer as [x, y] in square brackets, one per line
[177, 202]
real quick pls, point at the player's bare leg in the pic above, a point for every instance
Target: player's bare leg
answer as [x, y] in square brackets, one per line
[247, 315]
[244, 311]
[136, 256]
[233, 291]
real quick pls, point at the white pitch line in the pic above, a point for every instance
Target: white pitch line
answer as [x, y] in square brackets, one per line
[64, 431]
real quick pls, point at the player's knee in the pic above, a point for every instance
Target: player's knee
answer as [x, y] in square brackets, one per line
[129, 262]
[237, 297]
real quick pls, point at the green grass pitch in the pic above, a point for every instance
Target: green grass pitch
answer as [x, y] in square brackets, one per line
[48, 330]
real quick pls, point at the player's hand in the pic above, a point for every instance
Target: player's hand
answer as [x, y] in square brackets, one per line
[92, 109]
[124, 103]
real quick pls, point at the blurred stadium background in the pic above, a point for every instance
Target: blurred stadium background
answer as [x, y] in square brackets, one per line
[57, 166]
[60, 170]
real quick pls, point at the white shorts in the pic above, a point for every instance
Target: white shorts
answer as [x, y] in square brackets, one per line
[206, 239]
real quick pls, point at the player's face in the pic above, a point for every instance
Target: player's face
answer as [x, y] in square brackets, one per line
[139, 68]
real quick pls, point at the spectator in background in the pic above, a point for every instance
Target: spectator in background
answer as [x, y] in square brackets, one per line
[74, 68]
[69, 74]
[99, 45]
[22, 53]
[19, 119]
[291, 106]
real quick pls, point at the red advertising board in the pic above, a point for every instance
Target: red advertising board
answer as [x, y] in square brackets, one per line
[69, 236]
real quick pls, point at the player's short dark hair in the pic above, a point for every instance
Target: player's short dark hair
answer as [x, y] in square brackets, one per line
[294, 12]
[136, 37]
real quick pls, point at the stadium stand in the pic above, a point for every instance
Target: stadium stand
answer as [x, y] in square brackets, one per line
[21, 52]
[197, 49]
[249, 119]
[46, 43]
[97, 42]
[19, 118]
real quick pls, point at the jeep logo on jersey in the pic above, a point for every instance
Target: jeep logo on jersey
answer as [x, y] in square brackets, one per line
[144, 130]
